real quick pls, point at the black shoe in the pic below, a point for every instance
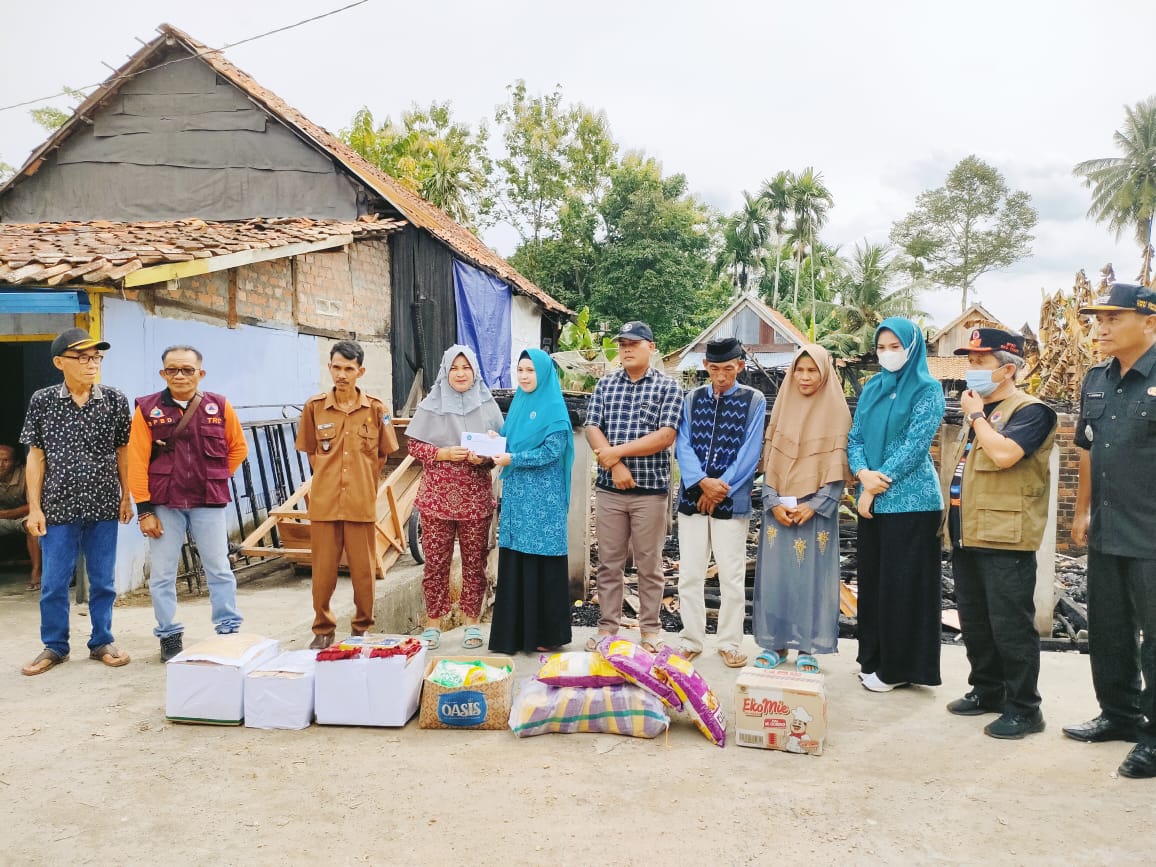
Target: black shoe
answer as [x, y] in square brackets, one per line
[1013, 726]
[320, 642]
[1140, 763]
[1101, 729]
[973, 704]
[171, 645]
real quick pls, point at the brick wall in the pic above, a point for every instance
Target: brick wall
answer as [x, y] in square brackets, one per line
[337, 292]
[1066, 495]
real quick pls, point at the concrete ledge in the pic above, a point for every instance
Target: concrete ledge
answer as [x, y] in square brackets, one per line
[398, 603]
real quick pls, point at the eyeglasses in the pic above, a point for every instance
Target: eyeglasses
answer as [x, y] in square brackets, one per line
[85, 359]
[172, 372]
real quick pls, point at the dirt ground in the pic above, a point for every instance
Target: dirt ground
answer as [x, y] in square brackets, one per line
[92, 773]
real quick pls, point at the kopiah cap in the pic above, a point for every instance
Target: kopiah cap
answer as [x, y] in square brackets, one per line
[993, 340]
[75, 340]
[635, 331]
[1125, 296]
[724, 349]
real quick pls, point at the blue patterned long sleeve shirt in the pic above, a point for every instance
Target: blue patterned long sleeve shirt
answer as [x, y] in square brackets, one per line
[740, 474]
[534, 501]
[914, 483]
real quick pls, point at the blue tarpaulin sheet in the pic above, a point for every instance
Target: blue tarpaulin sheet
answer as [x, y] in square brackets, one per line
[484, 312]
[48, 301]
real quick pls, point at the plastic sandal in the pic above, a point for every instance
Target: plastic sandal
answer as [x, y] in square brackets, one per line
[432, 637]
[767, 659]
[473, 638]
[807, 664]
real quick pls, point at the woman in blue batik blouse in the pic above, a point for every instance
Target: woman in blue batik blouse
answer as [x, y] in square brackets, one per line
[532, 605]
[899, 505]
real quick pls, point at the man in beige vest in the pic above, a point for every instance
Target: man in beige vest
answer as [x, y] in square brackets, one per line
[996, 484]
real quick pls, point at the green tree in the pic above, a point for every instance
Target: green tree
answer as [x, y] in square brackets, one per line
[778, 204]
[1124, 187]
[555, 169]
[6, 171]
[440, 159]
[655, 261]
[971, 225]
[744, 235]
[873, 287]
[810, 201]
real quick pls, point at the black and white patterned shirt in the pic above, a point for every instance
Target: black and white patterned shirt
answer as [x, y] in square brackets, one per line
[625, 411]
[79, 444]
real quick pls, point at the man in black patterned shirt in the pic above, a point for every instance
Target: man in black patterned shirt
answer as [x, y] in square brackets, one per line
[77, 478]
[631, 423]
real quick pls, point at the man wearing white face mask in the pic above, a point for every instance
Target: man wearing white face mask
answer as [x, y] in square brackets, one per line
[996, 482]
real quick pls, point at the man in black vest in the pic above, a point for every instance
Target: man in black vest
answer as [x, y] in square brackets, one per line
[718, 447]
[184, 447]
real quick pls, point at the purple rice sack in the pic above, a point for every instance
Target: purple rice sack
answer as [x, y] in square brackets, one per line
[696, 697]
[637, 666]
[578, 668]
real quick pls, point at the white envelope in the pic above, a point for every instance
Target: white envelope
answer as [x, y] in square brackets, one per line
[483, 445]
[789, 502]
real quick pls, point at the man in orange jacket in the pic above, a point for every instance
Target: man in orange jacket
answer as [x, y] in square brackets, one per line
[184, 447]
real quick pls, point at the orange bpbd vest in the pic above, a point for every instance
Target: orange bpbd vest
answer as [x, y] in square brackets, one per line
[193, 469]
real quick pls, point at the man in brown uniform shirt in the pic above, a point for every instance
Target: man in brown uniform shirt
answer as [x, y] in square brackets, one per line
[347, 435]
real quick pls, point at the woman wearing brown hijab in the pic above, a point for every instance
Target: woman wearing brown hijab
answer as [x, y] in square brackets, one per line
[796, 602]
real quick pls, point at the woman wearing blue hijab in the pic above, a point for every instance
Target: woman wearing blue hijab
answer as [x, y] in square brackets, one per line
[532, 604]
[900, 505]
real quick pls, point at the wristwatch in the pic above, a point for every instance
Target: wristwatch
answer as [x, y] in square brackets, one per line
[976, 416]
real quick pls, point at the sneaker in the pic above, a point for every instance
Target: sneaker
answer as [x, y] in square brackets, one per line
[872, 682]
[171, 645]
[973, 704]
[1013, 726]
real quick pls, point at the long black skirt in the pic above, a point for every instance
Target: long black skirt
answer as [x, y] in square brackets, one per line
[532, 603]
[899, 597]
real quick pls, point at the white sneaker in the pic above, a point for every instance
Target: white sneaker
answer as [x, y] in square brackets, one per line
[872, 682]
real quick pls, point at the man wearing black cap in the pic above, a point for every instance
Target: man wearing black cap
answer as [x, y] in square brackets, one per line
[631, 422]
[1116, 433]
[996, 483]
[718, 447]
[77, 477]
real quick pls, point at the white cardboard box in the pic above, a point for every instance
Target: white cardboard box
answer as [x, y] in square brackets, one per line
[279, 693]
[369, 692]
[206, 683]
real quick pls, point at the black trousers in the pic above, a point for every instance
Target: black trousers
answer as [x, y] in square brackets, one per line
[995, 594]
[899, 597]
[1121, 605]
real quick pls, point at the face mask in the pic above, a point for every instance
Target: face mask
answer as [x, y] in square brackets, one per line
[980, 382]
[892, 360]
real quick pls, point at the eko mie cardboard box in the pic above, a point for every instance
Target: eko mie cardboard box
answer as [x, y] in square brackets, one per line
[369, 692]
[206, 683]
[279, 692]
[781, 709]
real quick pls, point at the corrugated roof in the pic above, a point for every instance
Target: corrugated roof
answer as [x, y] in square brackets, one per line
[58, 254]
[415, 209]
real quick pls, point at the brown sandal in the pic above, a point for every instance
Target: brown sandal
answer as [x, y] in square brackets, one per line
[732, 658]
[109, 655]
[651, 643]
[46, 660]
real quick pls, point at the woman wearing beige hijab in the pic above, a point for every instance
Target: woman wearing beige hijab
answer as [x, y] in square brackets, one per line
[796, 602]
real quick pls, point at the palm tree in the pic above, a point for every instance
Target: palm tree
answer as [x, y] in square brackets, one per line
[811, 201]
[777, 197]
[867, 296]
[744, 235]
[1124, 187]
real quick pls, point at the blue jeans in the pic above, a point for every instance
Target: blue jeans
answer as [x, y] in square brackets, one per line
[208, 530]
[60, 546]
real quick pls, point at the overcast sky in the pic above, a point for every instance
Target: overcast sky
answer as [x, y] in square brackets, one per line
[883, 98]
